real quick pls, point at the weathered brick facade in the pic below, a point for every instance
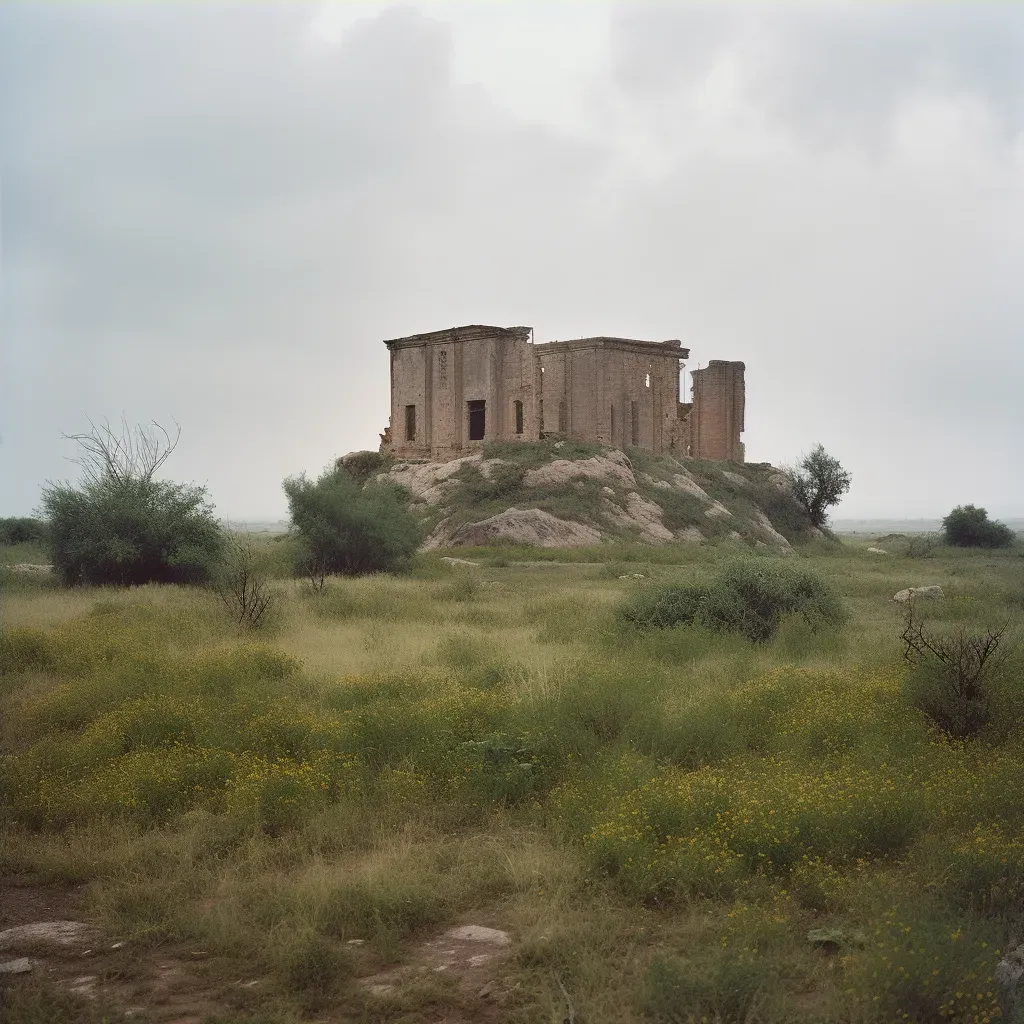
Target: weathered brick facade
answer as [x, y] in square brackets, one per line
[453, 390]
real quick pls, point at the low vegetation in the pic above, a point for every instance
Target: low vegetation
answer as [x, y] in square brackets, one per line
[667, 820]
[750, 597]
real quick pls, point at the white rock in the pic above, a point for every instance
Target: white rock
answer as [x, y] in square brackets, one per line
[478, 933]
[20, 966]
[458, 561]
[877, 551]
[62, 933]
[736, 478]
[1009, 984]
[612, 465]
[913, 593]
[685, 482]
[774, 536]
[717, 509]
[522, 526]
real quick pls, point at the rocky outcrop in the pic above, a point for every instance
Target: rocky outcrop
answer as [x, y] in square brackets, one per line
[535, 495]
[531, 526]
[613, 467]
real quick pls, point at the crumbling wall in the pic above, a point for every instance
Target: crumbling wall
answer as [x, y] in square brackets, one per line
[614, 391]
[716, 419]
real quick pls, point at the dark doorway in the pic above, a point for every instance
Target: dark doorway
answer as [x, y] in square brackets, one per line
[477, 420]
[519, 417]
[634, 416]
[410, 423]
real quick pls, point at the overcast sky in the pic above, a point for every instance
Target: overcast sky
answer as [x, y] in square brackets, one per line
[215, 214]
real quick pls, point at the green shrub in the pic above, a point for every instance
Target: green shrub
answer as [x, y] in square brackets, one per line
[970, 527]
[346, 529]
[129, 532]
[361, 466]
[751, 597]
[23, 530]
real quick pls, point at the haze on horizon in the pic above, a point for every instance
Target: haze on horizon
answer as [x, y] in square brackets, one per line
[215, 214]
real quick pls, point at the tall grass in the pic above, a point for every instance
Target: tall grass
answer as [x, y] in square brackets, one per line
[659, 817]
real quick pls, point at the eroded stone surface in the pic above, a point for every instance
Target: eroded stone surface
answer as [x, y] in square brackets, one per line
[531, 526]
[62, 933]
[22, 965]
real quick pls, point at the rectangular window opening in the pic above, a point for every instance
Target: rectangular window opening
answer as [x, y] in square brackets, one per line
[477, 420]
[634, 415]
[410, 423]
[519, 417]
[612, 424]
[561, 416]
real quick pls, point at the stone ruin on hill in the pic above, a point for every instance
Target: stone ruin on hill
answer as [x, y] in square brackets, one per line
[454, 390]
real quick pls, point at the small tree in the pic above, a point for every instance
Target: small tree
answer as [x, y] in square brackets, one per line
[970, 527]
[819, 482]
[120, 525]
[348, 529]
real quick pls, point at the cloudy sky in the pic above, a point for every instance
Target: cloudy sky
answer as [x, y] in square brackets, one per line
[215, 214]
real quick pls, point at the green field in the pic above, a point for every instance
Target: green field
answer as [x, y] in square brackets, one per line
[658, 819]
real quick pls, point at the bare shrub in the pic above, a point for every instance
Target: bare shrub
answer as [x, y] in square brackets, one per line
[954, 672]
[242, 583]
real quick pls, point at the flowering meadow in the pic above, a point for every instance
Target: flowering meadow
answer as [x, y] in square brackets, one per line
[673, 824]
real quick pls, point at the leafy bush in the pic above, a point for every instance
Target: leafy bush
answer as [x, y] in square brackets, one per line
[363, 465]
[120, 525]
[970, 527]
[131, 532]
[348, 529]
[750, 597]
[23, 530]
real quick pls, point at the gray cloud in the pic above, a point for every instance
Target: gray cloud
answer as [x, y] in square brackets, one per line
[210, 214]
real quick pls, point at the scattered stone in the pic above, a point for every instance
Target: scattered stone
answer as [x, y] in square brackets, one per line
[62, 933]
[356, 942]
[20, 966]
[913, 593]
[116, 945]
[84, 986]
[485, 992]
[633, 576]
[877, 551]
[478, 933]
[459, 561]
[1009, 985]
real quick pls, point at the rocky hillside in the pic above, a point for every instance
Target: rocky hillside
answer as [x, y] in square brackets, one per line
[567, 494]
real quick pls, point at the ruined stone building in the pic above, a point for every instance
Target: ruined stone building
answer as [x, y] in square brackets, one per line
[454, 390]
